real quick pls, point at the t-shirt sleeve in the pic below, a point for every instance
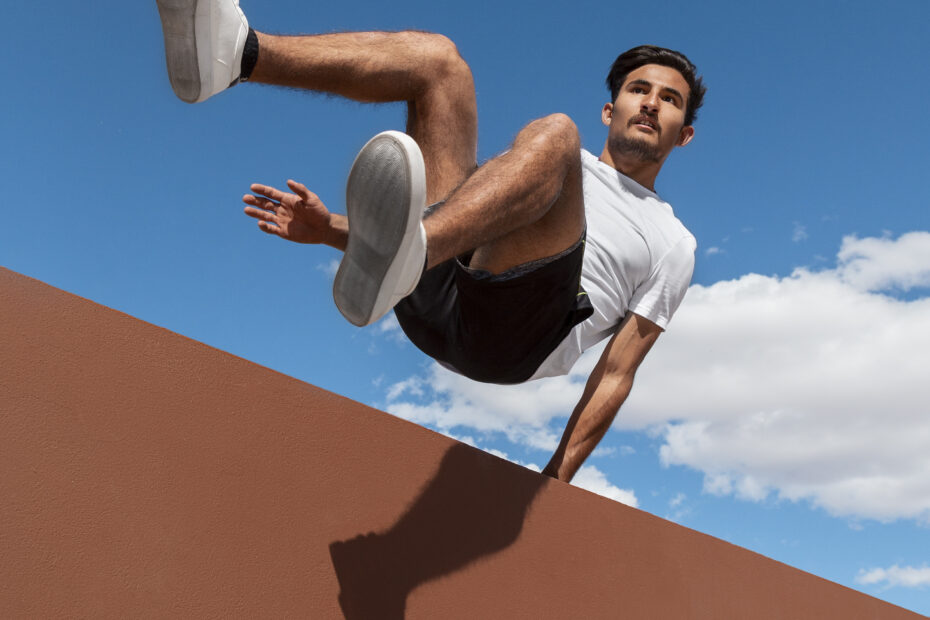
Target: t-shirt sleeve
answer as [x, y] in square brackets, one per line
[659, 296]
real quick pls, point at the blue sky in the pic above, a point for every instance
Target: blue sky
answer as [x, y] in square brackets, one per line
[786, 408]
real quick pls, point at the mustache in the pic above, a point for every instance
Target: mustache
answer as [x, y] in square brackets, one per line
[645, 119]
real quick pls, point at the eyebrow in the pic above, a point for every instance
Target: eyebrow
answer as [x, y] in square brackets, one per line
[642, 82]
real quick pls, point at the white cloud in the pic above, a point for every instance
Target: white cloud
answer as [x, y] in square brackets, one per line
[592, 479]
[389, 327]
[808, 387]
[881, 264]
[521, 412]
[412, 386]
[389, 324]
[800, 233]
[329, 268]
[896, 576]
[678, 508]
[466, 439]
[713, 250]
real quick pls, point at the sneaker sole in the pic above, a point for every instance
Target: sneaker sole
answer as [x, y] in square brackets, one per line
[385, 197]
[179, 27]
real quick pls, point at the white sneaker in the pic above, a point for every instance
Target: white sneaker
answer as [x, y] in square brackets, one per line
[386, 251]
[204, 40]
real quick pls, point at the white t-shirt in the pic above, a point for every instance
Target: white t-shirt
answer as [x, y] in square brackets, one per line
[638, 258]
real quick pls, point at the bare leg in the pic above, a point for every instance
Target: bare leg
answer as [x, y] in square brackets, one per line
[423, 69]
[524, 205]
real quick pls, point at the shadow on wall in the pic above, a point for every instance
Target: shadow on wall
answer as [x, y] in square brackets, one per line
[464, 513]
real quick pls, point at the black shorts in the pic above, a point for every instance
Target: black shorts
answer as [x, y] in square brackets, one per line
[496, 328]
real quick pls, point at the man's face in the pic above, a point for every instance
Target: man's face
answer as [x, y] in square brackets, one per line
[647, 119]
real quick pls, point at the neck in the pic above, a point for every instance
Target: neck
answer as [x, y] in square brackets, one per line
[643, 172]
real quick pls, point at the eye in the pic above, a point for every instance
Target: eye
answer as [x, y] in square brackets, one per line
[637, 90]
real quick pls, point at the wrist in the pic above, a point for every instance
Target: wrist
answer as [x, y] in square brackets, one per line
[337, 232]
[553, 467]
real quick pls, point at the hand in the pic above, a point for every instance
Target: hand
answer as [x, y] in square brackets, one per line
[551, 470]
[301, 217]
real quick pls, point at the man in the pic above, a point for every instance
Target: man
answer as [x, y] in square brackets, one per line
[518, 265]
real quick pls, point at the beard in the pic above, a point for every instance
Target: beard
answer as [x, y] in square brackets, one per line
[633, 147]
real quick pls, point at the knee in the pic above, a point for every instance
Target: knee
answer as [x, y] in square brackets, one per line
[559, 128]
[556, 135]
[446, 58]
[439, 60]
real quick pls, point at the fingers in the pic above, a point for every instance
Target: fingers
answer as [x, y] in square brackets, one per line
[268, 191]
[258, 202]
[261, 214]
[301, 190]
[263, 210]
[267, 222]
[276, 196]
[275, 209]
[268, 195]
[268, 228]
[261, 202]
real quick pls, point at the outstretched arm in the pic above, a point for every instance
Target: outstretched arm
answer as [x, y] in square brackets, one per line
[606, 390]
[300, 216]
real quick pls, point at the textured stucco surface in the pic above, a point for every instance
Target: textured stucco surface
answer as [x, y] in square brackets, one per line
[143, 474]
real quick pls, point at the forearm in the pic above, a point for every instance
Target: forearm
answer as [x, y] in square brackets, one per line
[589, 422]
[606, 390]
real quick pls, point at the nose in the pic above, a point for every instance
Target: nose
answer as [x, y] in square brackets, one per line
[650, 102]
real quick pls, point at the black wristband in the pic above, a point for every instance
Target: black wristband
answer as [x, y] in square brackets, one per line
[249, 56]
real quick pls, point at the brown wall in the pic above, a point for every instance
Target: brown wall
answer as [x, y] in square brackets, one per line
[143, 474]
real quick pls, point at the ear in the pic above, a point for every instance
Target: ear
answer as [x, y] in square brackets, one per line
[685, 135]
[607, 113]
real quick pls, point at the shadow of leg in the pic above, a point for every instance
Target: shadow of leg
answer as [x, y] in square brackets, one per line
[467, 511]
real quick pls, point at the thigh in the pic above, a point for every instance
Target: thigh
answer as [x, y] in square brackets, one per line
[559, 228]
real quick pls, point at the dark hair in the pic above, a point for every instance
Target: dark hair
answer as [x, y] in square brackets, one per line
[651, 55]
